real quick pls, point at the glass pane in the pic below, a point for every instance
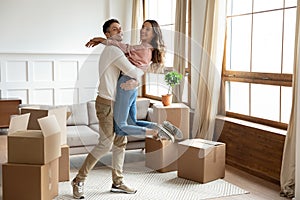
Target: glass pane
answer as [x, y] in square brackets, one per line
[265, 101]
[267, 42]
[185, 90]
[157, 10]
[237, 97]
[155, 84]
[151, 87]
[240, 46]
[289, 40]
[228, 43]
[286, 103]
[235, 7]
[260, 5]
[229, 7]
[162, 86]
[168, 37]
[289, 3]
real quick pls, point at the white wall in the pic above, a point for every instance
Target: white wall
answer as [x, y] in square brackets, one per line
[56, 26]
[44, 26]
[42, 54]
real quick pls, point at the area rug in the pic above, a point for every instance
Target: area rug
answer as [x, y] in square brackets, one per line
[150, 185]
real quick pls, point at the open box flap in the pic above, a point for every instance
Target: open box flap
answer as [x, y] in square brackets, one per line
[61, 116]
[200, 143]
[18, 123]
[49, 125]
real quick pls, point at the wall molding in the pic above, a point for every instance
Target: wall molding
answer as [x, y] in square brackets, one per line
[41, 78]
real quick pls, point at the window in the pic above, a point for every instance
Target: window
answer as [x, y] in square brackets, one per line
[155, 9]
[259, 58]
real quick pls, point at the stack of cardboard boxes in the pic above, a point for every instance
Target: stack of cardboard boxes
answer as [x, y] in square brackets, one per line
[38, 157]
[61, 116]
[161, 155]
[32, 168]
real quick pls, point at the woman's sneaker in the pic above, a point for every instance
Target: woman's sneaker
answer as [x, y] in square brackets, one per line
[176, 132]
[164, 134]
[77, 189]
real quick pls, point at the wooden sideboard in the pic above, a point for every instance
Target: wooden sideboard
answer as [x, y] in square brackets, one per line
[8, 107]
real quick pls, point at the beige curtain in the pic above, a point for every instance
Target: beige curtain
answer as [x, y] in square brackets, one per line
[136, 20]
[287, 177]
[136, 24]
[210, 69]
[180, 39]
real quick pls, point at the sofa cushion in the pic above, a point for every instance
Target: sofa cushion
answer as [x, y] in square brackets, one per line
[142, 105]
[79, 114]
[150, 116]
[81, 136]
[94, 127]
[134, 138]
[40, 106]
[93, 119]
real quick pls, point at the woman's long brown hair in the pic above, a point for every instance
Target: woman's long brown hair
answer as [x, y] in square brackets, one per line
[158, 53]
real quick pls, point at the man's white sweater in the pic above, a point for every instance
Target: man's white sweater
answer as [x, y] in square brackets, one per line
[112, 62]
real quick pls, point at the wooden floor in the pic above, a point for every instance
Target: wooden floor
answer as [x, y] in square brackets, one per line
[259, 189]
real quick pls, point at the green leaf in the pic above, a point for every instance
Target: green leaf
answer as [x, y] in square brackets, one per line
[173, 78]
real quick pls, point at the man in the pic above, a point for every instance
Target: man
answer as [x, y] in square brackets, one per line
[111, 63]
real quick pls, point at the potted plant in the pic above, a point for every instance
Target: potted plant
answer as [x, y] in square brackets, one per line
[171, 78]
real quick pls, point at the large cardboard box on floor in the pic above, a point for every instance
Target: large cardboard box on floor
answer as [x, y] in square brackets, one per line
[161, 155]
[30, 182]
[39, 112]
[201, 160]
[64, 164]
[33, 146]
[176, 113]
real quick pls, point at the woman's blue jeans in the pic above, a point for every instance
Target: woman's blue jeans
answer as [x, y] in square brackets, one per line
[125, 122]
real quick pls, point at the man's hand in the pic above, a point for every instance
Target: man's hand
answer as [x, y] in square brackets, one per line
[95, 41]
[130, 84]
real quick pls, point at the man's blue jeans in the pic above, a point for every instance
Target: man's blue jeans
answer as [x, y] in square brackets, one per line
[125, 122]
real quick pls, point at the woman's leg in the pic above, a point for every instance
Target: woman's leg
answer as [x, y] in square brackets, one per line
[124, 100]
[124, 106]
[132, 120]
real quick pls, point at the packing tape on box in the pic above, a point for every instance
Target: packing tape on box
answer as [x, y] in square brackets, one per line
[50, 175]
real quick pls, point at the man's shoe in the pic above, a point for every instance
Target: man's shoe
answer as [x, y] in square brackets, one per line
[173, 129]
[77, 189]
[164, 134]
[122, 189]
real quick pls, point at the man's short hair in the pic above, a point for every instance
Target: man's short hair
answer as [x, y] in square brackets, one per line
[107, 24]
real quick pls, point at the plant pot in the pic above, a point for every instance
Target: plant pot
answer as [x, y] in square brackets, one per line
[166, 99]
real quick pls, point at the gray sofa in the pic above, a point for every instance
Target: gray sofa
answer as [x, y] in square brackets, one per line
[83, 126]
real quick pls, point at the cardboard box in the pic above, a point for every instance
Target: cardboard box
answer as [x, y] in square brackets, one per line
[176, 113]
[30, 182]
[161, 155]
[33, 146]
[40, 112]
[64, 164]
[201, 160]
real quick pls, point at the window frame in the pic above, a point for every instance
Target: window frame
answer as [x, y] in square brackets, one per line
[276, 79]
